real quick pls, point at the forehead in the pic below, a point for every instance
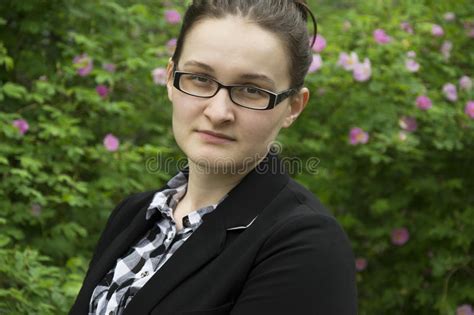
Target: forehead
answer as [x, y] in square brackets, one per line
[233, 46]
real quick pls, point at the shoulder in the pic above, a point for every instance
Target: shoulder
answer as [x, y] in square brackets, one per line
[306, 197]
[139, 199]
[296, 203]
[132, 201]
[300, 219]
[120, 217]
[126, 209]
[308, 250]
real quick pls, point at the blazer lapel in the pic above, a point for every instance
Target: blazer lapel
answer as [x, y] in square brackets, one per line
[237, 211]
[204, 244]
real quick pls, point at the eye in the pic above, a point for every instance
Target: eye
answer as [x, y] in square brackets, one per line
[251, 90]
[199, 78]
[250, 93]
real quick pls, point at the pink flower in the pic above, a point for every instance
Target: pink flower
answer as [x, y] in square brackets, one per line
[111, 143]
[358, 136]
[381, 37]
[361, 264]
[348, 61]
[316, 64]
[446, 49]
[408, 123]
[449, 16]
[21, 125]
[437, 30]
[469, 28]
[319, 44]
[84, 64]
[449, 91]
[412, 65]
[423, 102]
[469, 110]
[465, 83]
[102, 90]
[411, 54]
[470, 33]
[406, 27]
[172, 16]
[362, 71]
[400, 236]
[464, 309]
[159, 76]
[110, 67]
[171, 46]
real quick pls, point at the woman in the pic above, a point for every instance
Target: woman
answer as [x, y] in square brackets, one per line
[251, 240]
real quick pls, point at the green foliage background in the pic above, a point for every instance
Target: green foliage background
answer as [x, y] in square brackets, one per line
[59, 184]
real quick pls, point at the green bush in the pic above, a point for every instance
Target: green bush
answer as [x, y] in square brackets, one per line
[85, 122]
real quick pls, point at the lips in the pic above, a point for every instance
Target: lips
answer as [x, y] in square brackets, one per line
[217, 134]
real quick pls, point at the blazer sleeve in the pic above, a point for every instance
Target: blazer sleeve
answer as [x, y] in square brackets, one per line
[306, 266]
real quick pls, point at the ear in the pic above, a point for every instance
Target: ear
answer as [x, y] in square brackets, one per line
[169, 78]
[298, 102]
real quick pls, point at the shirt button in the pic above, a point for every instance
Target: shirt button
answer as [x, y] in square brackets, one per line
[186, 221]
[144, 274]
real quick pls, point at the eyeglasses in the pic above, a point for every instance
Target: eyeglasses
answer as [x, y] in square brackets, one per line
[243, 95]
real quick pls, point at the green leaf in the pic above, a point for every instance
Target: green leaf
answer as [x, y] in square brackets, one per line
[21, 173]
[3, 160]
[381, 206]
[115, 7]
[136, 63]
[14, 90]
[30, 163]
[4, 240]
[45, 88]
[84, 40]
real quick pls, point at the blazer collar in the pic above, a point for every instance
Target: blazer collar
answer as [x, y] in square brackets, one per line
[245, 201]
[237, 211]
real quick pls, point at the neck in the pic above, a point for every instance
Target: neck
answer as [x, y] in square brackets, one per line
[206, 187]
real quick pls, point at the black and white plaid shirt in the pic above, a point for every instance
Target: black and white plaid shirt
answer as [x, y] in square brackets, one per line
[146, 257]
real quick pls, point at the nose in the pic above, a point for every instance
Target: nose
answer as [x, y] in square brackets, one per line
[220, 108]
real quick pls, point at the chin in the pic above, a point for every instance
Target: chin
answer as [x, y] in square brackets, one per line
[212, 161]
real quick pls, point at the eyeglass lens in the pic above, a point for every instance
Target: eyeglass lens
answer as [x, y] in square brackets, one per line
[202, 86]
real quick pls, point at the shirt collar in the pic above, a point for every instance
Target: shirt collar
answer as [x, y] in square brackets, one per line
[176, 187]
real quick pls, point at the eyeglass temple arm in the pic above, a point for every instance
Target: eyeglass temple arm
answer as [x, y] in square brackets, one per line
[284, 95]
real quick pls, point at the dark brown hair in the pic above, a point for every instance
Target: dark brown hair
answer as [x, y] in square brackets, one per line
[286, 18]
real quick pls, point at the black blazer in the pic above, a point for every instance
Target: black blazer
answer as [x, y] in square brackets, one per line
[269, 248]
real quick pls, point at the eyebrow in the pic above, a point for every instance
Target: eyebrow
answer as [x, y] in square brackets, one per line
[247, 76]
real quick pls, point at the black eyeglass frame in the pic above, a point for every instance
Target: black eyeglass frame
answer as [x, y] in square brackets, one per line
[275, 98]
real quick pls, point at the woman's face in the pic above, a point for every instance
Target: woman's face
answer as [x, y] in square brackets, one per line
[231, 50]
